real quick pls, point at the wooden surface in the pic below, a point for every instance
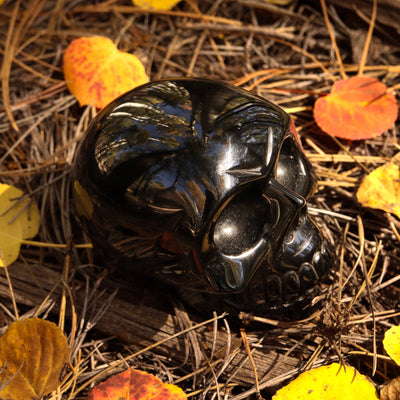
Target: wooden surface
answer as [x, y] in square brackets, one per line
[140, 325]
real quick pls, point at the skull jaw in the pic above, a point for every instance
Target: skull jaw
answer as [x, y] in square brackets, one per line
[281, 288]
[292, 305]
[279, 281]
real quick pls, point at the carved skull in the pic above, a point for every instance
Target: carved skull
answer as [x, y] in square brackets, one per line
[203, 185]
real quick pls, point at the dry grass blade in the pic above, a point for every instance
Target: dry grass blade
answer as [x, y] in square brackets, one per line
[333, 40]
[104, 8]
[369, 37]
[16, 313]
[6, 64]
[248, 350]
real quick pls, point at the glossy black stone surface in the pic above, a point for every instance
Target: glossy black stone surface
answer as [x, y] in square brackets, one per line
[203, 185]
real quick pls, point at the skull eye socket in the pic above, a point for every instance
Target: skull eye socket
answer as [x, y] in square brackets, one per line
[242, 222]
[293, 170]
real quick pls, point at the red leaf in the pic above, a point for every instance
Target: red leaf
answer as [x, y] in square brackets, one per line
[356, 108]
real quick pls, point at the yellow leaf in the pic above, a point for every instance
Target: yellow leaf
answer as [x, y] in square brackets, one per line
[329, 382]
[381, 189]
[83, 202]
[34, 352]
[162, 5]
[97, 72]
[391, 343]
[19, 220]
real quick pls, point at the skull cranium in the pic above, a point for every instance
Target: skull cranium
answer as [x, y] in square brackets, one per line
[206, 185]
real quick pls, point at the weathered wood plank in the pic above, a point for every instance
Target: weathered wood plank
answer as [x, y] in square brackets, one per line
[141, 325]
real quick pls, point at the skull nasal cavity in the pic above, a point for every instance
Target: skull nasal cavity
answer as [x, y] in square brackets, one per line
[240, 225]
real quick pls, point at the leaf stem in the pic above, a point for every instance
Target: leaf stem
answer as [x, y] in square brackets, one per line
[55, 245]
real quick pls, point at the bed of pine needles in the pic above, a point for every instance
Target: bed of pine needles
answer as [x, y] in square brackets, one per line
[283, 53]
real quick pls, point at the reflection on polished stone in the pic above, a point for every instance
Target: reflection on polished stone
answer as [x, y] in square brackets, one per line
[204, 185]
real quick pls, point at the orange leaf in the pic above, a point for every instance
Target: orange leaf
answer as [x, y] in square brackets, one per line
[391, 390]
[97, 72]
[33, 353]
[135, 385]
[356, 108]
[381, 189]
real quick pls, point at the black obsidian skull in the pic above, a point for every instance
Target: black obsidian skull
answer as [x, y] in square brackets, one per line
[203, 185]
